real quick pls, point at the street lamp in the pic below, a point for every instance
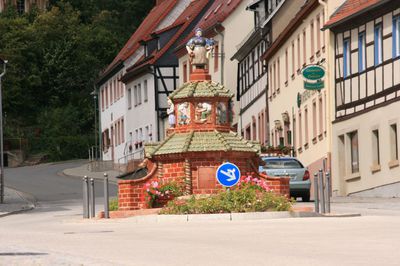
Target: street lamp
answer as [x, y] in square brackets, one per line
[3, 64]
[94, 94]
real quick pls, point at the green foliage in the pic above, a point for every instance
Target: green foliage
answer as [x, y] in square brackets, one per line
[113, 205]
[54, 60]
[246, 199]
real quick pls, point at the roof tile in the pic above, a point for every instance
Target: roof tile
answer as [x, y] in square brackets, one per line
[349, 8]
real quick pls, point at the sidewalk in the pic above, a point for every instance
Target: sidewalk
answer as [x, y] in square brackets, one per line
[83, 170]
[14, 202]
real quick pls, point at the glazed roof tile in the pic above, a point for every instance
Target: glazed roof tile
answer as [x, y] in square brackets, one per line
[349, 9]
[201, 142]
[200, 89]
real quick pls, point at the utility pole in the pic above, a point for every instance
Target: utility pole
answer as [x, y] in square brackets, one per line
[3, 63]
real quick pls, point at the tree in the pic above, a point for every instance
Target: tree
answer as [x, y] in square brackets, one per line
[54, 59]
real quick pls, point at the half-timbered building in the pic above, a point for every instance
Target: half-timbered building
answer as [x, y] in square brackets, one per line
[366, 98]
[252, 74]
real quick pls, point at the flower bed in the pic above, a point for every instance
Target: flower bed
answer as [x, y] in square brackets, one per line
[250, 195]
[161, 194]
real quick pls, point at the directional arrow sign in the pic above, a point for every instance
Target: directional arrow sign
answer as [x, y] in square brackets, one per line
[228, 174]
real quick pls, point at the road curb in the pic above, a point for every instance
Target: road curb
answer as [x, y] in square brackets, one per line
[249, 216]
[62, 173]
[28, 205]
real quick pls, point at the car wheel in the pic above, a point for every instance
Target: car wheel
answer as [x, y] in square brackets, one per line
[306, 196]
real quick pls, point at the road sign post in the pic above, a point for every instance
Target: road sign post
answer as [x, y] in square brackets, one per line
[228, 174]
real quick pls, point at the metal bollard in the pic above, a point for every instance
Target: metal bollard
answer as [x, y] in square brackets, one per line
[106, 202]
[321, 190]
[328, 192]
[316, 200]
[85, 196]
[92, 199]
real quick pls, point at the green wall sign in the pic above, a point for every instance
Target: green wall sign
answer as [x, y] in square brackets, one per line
[313, 72]
[314, 86]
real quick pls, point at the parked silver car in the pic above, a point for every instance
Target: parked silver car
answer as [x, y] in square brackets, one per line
[288, 166]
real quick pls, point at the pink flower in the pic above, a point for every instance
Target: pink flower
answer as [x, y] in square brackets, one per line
[155, 184]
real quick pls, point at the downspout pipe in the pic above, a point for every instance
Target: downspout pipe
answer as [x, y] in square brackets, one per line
[222, 53]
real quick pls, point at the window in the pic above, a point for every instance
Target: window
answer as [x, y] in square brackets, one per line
[139, 93]
[185, 78]
[248, 133]
[286, 65]
[254, 129]
[216, 48]
[353, 137]
[375, 147]
[314, 119]
[106, 92]
[145, 91]
[115, 90]
[129, 98]
[111, 93]
[274, 77]
[102, 99]
[318, 33]
[298, 53]
[135, 95]
[293, 62]
[306, 125]
[146, 131]
[21, 6]
[321, 116]
[378, 44]
[257, 63]
[394, 149]
[122, 131]
[300, 131]
[346, 58]
[396, 36]
[304, 47]
[279, 74]
[361, 51]
[270, 81]
[312, 37]
[122, 86]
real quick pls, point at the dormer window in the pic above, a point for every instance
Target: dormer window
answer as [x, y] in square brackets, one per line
[145, 48]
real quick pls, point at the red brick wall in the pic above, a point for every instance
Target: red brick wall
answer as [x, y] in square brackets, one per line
[132, 193]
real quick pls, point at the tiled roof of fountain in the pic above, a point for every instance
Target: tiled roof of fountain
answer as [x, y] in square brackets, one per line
[202, 141]
[200, 89]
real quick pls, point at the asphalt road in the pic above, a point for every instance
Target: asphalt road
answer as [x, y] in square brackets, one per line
[47, 184]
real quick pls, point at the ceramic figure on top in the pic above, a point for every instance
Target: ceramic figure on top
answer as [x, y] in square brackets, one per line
[199, 49]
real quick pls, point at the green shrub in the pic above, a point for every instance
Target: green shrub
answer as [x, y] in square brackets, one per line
[246, 199]
[113, 205]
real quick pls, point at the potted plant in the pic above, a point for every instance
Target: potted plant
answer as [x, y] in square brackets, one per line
[160, 194]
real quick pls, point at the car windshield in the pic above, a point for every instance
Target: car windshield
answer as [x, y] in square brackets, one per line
[282, 164]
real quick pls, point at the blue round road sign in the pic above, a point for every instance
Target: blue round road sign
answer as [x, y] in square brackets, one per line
[228, 174]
